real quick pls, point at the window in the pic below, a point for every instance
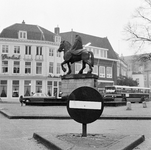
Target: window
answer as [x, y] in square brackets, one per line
[22, 35]
[58, 68]
[27, 87]
[103, 53]
[118, 71]
[38, 68]
[49, 88]
[50, 67]
[55, 89]
[109, 72]
[149, 77]
[38, 86]
[15, 91]
[4, 66]
[60, 92]
[95, 69]
[102, 71]
[58, 39]
[94, 51]
[4, 48]
[39, 50]
[58, 54]
[145, 77]
[77, 67]
[27, 50]
[16, 49]
[137, 80]
[16, 67]
[27, 67]
[51, 52]
[86, 69]
[3, 88]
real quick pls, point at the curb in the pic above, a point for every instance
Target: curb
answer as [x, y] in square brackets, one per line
[45, 142]
[135, 143]
[10, 116]
[51, 145]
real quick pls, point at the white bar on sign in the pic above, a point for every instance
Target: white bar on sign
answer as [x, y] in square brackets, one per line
[85, 105]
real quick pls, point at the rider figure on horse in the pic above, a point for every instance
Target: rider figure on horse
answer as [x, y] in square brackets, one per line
[77, 45]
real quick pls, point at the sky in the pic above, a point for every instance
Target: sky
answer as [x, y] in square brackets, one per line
[101, 18]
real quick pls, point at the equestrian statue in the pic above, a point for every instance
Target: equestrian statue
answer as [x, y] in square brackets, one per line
[76, 53]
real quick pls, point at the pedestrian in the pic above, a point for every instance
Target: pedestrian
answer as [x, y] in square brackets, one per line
[21, 100]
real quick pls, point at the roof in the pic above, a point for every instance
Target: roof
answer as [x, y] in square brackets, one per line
[34, 32]
[95, 41]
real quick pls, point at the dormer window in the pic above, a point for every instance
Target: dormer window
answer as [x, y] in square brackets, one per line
[57, 39]
[22, 35]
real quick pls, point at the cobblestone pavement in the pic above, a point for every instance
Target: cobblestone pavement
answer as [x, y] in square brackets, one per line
[16, 134]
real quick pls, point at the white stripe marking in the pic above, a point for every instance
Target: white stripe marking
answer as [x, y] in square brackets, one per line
[85, 105]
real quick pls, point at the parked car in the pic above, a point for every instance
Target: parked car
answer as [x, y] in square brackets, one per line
[37, 98]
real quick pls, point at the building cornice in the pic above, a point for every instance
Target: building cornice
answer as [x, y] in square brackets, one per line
[98, 47]
[105, 81]
[29, 41]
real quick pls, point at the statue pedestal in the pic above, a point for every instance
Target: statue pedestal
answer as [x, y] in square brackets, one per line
[74, 81]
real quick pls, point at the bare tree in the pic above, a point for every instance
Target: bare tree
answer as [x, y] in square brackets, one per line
[138, 31]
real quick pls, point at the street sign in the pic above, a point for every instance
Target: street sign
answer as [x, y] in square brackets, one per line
[85, 105]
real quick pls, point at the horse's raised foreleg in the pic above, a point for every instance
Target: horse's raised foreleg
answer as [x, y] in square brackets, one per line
[69, 68]
[63, 68]
[83, 67]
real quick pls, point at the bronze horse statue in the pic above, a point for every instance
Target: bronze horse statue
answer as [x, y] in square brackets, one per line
[87, 57]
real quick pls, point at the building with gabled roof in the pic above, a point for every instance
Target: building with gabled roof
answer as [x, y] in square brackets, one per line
[95, 41]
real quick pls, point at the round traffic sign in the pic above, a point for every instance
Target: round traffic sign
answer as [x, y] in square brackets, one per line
[85, 104]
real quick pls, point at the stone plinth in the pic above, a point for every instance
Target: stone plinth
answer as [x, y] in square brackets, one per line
[74, 81]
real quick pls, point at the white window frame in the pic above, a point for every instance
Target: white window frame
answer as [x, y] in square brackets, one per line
[38, 68]
[51, 52]
[22, 35]
[145, 77]
[109, 72]
[16, 67]
[149, 77]
[16, 49]
[4, 66]
[95, 69]
[58, 54]
[57, 39]
[39, 50]
[5, 48]
[102, 71]
[27, 50]
[58, 68]
[118, 71]
[27, 67]
[51, 67]
[77, 67]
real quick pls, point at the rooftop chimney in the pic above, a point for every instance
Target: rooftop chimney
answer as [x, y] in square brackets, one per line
[57, 30]
[23, 22]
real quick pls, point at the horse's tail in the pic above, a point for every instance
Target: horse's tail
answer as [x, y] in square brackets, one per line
[92, 58]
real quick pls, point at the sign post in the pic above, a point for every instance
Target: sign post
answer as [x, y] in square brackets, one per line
[84, 130]
[85, 105]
